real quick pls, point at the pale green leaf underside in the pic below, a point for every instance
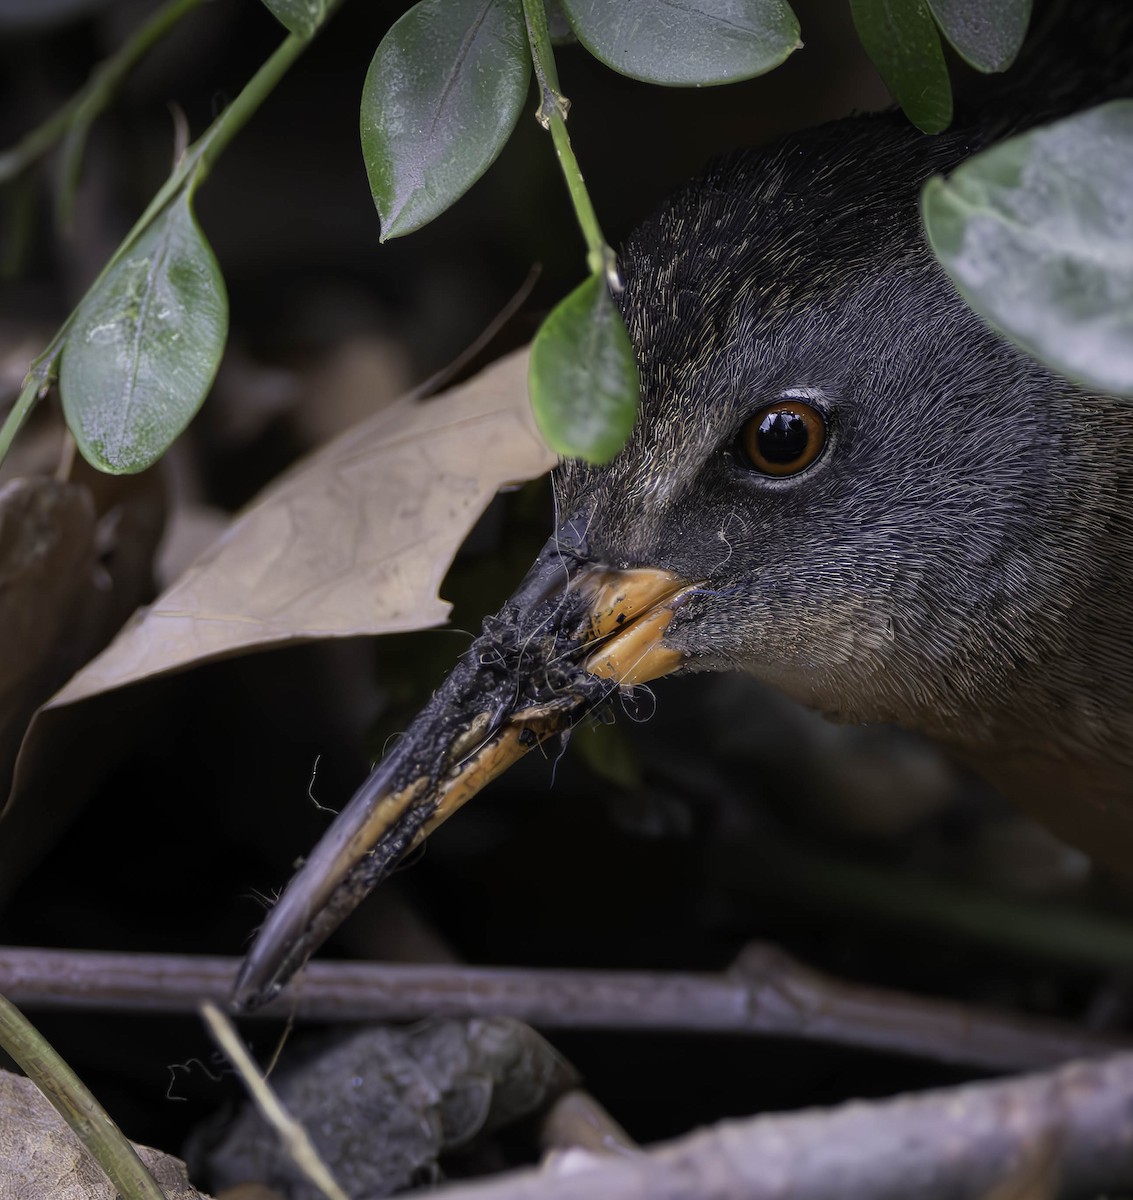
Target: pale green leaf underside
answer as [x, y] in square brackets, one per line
[686, 42]
[1037, 234]
[987, 34]
[144, 346]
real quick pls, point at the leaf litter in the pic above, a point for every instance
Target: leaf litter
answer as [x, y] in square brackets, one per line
[354, 540]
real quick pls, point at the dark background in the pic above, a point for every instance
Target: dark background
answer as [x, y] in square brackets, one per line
[203, 800]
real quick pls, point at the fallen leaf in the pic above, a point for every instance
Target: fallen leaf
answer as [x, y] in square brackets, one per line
[47, 581]
[354, 540]
[41, 1157]
[75, 559]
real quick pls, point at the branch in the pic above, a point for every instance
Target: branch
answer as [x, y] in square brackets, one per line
[292, 1134]
[767, 993]
[552, 114]
[1064, 1133]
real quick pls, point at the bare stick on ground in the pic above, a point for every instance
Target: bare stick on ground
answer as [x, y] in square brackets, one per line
[1064, 1133]
[767, 993]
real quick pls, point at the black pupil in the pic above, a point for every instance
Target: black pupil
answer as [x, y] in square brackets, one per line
[782, 437]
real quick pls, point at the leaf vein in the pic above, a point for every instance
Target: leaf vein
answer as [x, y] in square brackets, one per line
[161, 252]
[707, 18]
[465, 48]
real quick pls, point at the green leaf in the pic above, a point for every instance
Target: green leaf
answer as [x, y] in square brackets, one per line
[144, 345]
[985, 33]
[301, 17]
[443, 93]
[686, 42]
[1037, 235]
[583, 377]
[901, 39]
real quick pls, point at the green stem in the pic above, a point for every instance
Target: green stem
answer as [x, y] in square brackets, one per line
[553, 108]
[543, 59]
[72, 1100]
[213, 142]
[195, 164]
[201, 156]
[18, 414]
[96, 93]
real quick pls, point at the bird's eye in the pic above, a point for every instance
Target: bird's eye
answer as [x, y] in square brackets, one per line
[784, 438]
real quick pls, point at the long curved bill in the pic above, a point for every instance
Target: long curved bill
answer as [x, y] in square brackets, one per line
[572, 634]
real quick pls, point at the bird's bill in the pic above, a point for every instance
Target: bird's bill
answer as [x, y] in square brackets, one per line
[573, 633]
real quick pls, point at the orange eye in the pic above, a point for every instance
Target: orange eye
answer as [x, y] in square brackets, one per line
[784, 438]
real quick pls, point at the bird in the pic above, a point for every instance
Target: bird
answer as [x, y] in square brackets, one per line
[842, 482]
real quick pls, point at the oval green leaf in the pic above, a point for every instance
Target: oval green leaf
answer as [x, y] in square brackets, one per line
[144, 346]
[583, 377]
[1037, 234]
[443, 93]
[987, 34]
[301, 17]
[901, 39]
[692, 43]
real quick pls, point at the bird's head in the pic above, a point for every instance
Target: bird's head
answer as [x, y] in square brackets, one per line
[852, 466]
[839, 481]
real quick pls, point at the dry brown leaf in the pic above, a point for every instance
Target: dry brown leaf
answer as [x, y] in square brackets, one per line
[74, 560]
[41, 1157]
[47, 581]
[354, 540]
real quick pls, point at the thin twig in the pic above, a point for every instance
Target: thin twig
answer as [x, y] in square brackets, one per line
[296, 1141]
[1065, 1133]
[442, 378]
[767, 994]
